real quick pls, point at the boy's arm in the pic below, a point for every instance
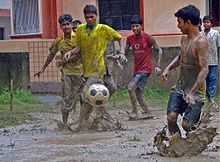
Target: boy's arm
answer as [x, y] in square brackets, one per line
[174, 63]
[72, 55]
[121, 53]
[52, 52]
[127, 46]
[159, 50]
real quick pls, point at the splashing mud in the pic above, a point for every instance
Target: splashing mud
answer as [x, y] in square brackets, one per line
[195, 142]
[42, 141]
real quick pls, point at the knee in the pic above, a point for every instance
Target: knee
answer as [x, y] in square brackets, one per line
[185, 125]
[130, 88]
[172, 117]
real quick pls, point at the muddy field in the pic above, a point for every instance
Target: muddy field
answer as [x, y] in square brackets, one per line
[41, 141]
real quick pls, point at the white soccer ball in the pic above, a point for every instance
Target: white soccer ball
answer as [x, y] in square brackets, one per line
[97, 95]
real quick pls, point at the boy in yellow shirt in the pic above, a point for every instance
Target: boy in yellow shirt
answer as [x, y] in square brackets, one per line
[93, 39]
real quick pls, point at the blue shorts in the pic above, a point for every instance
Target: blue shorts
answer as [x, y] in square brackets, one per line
[139, 80]
[191, 112]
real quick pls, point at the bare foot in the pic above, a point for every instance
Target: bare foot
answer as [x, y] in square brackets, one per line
[146, 111]
[133, 115]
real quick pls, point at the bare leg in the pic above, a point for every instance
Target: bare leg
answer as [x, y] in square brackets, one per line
[172, 122]
[140, 98]
[85, 112]
[65, 115]
[131, 91]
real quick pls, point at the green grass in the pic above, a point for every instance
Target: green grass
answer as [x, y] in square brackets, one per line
[218, 98]
[19, 97]
[153, 97]
[23, 103]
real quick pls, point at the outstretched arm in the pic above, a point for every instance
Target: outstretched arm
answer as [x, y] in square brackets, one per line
[49, 59]
[175, 63]
[52, 52]
[122, 46]
[121, 53]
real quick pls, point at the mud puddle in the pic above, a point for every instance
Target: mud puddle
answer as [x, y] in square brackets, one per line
[40, 141]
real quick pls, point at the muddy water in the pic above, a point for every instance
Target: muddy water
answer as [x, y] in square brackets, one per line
[40, 141]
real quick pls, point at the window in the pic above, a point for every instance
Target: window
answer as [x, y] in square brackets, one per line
[214, 11]
[1, 33]
[25, 14]
[118, 13]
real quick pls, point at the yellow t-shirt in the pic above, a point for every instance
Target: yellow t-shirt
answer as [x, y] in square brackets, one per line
[92, 46]
[63, 46]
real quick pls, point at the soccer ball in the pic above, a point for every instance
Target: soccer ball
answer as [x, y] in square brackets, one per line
[97, 95]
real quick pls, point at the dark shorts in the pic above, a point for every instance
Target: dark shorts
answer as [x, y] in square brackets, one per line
[139, 80]
[191, 112]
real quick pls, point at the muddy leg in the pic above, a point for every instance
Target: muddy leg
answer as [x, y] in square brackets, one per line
[131, 91]
[85, 111]
[110, 84]
[172, 122]
[192, 116]
[101, 112]
[140, 98]
[65, 115]
[67, 98]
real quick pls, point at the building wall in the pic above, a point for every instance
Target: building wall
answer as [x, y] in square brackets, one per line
[159, 17]
[6, 24]
[154, 21]
[75, 7]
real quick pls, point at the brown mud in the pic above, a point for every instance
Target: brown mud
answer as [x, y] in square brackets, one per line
[41, 141]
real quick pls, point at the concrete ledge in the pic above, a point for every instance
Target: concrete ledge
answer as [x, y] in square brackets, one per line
[46, 87]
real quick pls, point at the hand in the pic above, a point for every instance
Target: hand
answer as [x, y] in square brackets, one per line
[189, 98]
[38, 73]
[165, 74]
[67, 56]
[122, 58]
[157, 70]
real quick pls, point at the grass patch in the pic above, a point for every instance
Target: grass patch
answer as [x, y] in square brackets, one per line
[218, 98]
[23, 103]
[153, 97]
[19, 97]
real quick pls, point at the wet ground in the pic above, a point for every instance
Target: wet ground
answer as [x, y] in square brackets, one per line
[41, 141]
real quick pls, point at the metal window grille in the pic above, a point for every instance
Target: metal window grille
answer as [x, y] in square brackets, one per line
[117, 13]
[25, 16]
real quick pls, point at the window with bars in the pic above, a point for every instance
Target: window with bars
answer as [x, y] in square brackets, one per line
[25, 14]
[118, 13]
[214, 11]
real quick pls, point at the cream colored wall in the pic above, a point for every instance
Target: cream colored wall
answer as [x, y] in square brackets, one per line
[159, 14]
[75, 7]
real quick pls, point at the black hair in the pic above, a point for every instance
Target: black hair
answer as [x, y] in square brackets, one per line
[189, 12]
[200, 24]
[90, 9]
[136, 19]
[77, 21]
[65, 17]
[207, 18]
